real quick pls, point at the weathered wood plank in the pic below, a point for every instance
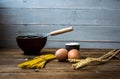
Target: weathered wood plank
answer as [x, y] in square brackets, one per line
[87, 36]
[61, 44]
[10, 58]
[60, 16]
[59, 75]
[81, 33]
[89, 4]
[55, 69]
[22, 15]
[63, 67]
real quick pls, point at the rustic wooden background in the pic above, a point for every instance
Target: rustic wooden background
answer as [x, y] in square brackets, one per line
[96, 23]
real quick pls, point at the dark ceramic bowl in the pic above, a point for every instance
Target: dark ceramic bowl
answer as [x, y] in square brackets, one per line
[31, 45]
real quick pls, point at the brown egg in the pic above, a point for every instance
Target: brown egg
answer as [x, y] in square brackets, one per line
[73, 54]
[61, 54]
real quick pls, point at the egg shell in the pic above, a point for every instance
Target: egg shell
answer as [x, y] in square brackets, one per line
[61, 54]
[73, 54]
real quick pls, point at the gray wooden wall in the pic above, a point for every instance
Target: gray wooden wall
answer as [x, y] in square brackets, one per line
[96, 23]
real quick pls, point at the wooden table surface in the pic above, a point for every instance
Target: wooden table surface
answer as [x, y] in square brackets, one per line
[10, 58]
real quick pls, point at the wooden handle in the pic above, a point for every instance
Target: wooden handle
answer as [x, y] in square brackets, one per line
[61, 31]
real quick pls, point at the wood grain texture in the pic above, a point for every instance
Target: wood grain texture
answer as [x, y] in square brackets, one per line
[60, 16]
[96, 22]
[80, 33]
[87, 36]
[10, 58]
[83, 4]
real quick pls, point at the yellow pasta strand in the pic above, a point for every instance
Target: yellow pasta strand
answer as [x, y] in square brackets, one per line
[37, 62]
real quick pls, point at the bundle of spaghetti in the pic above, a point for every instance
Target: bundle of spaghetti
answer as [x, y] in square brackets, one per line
[79, 63]
[37, 62]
